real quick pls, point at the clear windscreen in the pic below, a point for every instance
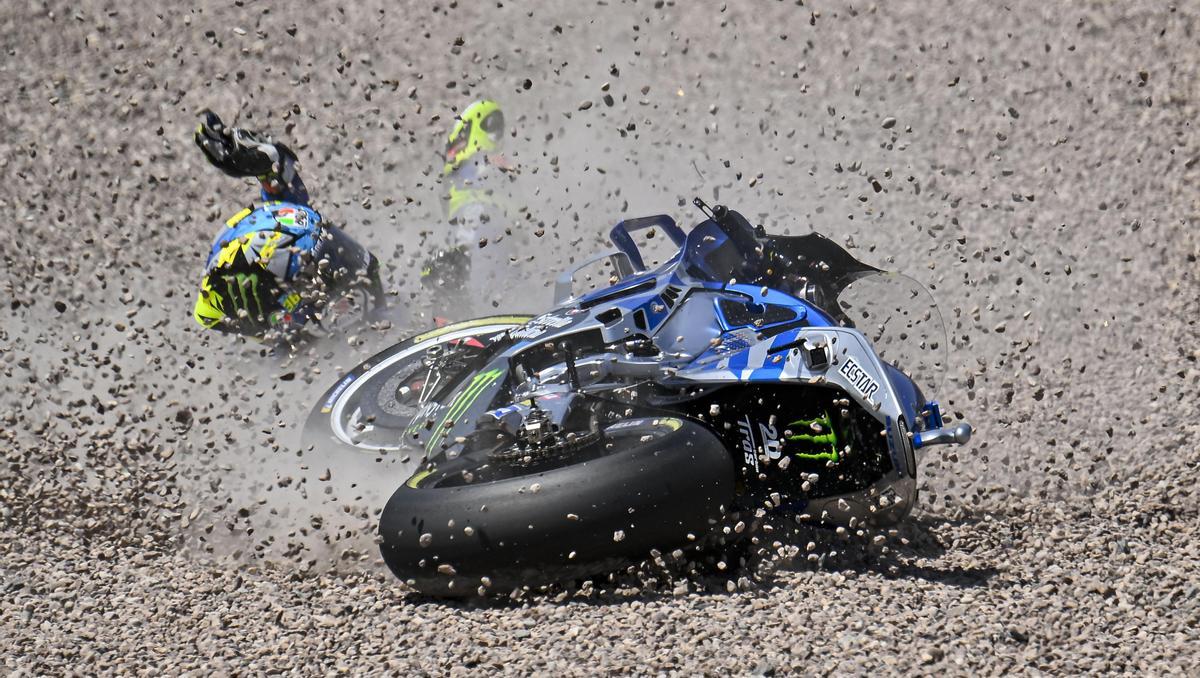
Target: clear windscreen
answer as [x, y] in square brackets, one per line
[902, 321]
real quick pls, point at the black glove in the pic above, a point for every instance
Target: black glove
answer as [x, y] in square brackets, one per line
[243, 153]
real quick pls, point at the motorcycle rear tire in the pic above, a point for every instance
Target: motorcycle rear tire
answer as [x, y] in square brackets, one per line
[659, 483]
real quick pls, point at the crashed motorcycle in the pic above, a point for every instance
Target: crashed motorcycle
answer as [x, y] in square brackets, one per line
[748, 374]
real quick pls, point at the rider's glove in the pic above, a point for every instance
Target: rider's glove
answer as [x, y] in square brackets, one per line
[243, 153]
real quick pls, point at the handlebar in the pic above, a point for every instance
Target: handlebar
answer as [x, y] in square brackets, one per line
[738, 229]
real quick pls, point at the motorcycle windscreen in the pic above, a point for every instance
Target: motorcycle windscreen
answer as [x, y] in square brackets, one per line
[709, 255]
[902, 321]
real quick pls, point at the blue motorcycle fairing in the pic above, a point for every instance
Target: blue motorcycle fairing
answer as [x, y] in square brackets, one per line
[908, 394]
[678, 307]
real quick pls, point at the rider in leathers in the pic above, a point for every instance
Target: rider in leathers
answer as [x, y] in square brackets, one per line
[477, 259]
[276, 265]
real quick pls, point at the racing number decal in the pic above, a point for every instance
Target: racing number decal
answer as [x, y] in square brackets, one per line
[770, 440]
[767, 435]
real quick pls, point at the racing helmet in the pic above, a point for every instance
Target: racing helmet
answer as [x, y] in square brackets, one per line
[250, 264]
[480, 128]
[273, 234]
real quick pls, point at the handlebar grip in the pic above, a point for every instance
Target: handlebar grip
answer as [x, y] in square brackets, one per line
[737, 228]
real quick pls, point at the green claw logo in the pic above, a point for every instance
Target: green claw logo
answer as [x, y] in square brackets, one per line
[464, 400]
[824, 435]
[236, 285]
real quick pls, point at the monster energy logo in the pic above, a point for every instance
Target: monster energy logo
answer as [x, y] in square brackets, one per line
[460, 404]
[236, 285]
[823, 434]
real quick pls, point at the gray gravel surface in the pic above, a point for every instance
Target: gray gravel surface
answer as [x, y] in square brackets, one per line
[1034, 163]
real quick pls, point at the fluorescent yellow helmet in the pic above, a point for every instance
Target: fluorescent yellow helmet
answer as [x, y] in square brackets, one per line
[480, 128]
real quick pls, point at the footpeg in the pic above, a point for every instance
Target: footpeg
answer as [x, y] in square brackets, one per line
[945, 435]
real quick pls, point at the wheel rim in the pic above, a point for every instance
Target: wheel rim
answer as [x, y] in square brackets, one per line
[339, 417]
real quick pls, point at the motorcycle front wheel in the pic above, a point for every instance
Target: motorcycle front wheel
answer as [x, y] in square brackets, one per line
[368, 409]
